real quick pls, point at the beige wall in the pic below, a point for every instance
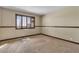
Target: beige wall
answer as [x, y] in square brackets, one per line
[67, 16]
[0, 23]
[0, 17]
[8, 19]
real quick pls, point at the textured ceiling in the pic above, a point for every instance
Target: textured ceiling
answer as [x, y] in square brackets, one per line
[40, 10]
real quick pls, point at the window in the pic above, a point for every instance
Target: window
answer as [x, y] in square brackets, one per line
[18, 21]
[25, 22]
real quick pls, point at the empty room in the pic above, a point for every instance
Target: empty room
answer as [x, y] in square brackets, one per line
[39, 29]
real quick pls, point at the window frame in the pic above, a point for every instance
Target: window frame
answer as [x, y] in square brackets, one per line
[26, 21]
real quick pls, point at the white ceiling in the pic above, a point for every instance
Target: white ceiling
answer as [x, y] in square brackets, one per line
[40, 10]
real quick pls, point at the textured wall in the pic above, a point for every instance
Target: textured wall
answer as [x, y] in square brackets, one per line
[68, 16]
[8, 19]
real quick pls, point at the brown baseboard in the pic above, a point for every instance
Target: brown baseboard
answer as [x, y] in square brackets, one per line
[60, 38]
[41, 34]
[20, 37]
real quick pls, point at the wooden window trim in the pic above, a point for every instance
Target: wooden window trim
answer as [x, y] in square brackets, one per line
[26, 21]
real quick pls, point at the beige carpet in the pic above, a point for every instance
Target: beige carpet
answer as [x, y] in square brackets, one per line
[38, 44]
